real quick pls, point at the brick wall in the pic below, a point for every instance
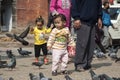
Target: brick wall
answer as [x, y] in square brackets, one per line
[28, 10]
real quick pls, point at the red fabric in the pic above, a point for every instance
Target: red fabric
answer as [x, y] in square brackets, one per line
[71, 51]
[111, 1]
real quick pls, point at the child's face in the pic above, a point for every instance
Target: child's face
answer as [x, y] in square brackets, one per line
[39, 25]
[59, 23]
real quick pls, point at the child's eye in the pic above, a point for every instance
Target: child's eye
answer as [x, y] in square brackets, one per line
[56, 22]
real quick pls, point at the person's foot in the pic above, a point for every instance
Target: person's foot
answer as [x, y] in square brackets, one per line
[80, 69]
[36, 60]
[54, 73]
[65, 72]
[45, 61]
[89, 67]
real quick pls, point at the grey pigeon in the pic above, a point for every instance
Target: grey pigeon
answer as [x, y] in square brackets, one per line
[39, 64]
[11, 78]
[1, 78]
[106, 77]
[42, 77]
[21, 37]
[9, 53]
[93, 75]
[12, 63]
[23, 52]
[118, 59]
[2, 63]
[25, 33]
[68, 77]
[112, 55]
[21, 40]
[99, 54]
[9, 35]
[33, 77]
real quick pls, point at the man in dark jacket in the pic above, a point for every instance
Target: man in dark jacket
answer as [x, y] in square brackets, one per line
[86, 14]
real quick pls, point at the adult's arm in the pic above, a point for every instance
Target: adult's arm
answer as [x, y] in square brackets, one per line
[53, 4]
[75, 9]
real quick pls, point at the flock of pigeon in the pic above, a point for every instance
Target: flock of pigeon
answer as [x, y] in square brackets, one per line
[101, 76]
[12, 64]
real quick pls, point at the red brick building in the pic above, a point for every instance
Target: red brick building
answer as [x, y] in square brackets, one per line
[20, 13]
[28, 10]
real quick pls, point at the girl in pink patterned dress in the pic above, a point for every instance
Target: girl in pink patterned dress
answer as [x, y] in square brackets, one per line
[61, 7]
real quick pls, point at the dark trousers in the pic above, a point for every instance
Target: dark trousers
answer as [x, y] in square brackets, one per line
[38, 48]
[85, 45]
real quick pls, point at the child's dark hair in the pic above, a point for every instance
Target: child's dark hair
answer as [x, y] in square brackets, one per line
[63, 18]
[106, 2]
[39, 19]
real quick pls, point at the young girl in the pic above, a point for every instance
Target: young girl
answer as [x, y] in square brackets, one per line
[61, 7]
[58, 41]
[40, 42]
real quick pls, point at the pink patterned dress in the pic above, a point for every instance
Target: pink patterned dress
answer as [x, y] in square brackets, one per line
[61, 7]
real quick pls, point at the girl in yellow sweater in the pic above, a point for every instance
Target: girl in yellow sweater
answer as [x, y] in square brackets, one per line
[40, 41]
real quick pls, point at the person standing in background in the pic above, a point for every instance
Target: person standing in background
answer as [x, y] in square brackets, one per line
[86, 14]
[61, 7]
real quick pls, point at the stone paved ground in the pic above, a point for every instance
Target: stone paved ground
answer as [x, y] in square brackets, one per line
[24, 67]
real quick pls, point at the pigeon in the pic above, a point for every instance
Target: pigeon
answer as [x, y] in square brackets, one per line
[68, 77]
[93, 75]
[33, 77]
[21, 37]
[118, 59]
[99, 54]
[23, 52]
[39, 64]
[2, 63]
[113, 49]
[42, 77]
[114, 78]
[12, 63]
[24, 42]
[9, 53]
[106, 77]
[9, 35]
[112, 55]
[1, 78]
[11, 78]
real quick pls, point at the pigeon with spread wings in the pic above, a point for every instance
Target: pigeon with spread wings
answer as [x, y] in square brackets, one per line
[21, 37]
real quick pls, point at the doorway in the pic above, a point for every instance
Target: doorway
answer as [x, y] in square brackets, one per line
[6, 15]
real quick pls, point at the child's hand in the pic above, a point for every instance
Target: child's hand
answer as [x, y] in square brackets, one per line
[32, 29]
[49, 48]
[51, 26]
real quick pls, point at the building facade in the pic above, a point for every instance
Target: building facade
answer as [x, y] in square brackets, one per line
[20, 13]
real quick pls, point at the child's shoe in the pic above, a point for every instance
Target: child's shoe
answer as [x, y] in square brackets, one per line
[45, 61]
[54, 73]
[36, 60]
[65, 72]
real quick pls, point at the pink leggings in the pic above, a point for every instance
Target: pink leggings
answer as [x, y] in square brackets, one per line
[59, 57]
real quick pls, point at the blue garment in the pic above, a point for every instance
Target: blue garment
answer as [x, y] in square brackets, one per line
[106, 20]
[87, 11]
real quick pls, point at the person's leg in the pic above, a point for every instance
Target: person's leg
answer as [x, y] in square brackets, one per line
[45, 52]
[81, 44]
[106, 39]
[37, 52]
[91, 47]
[56, 56]
[64, 60]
